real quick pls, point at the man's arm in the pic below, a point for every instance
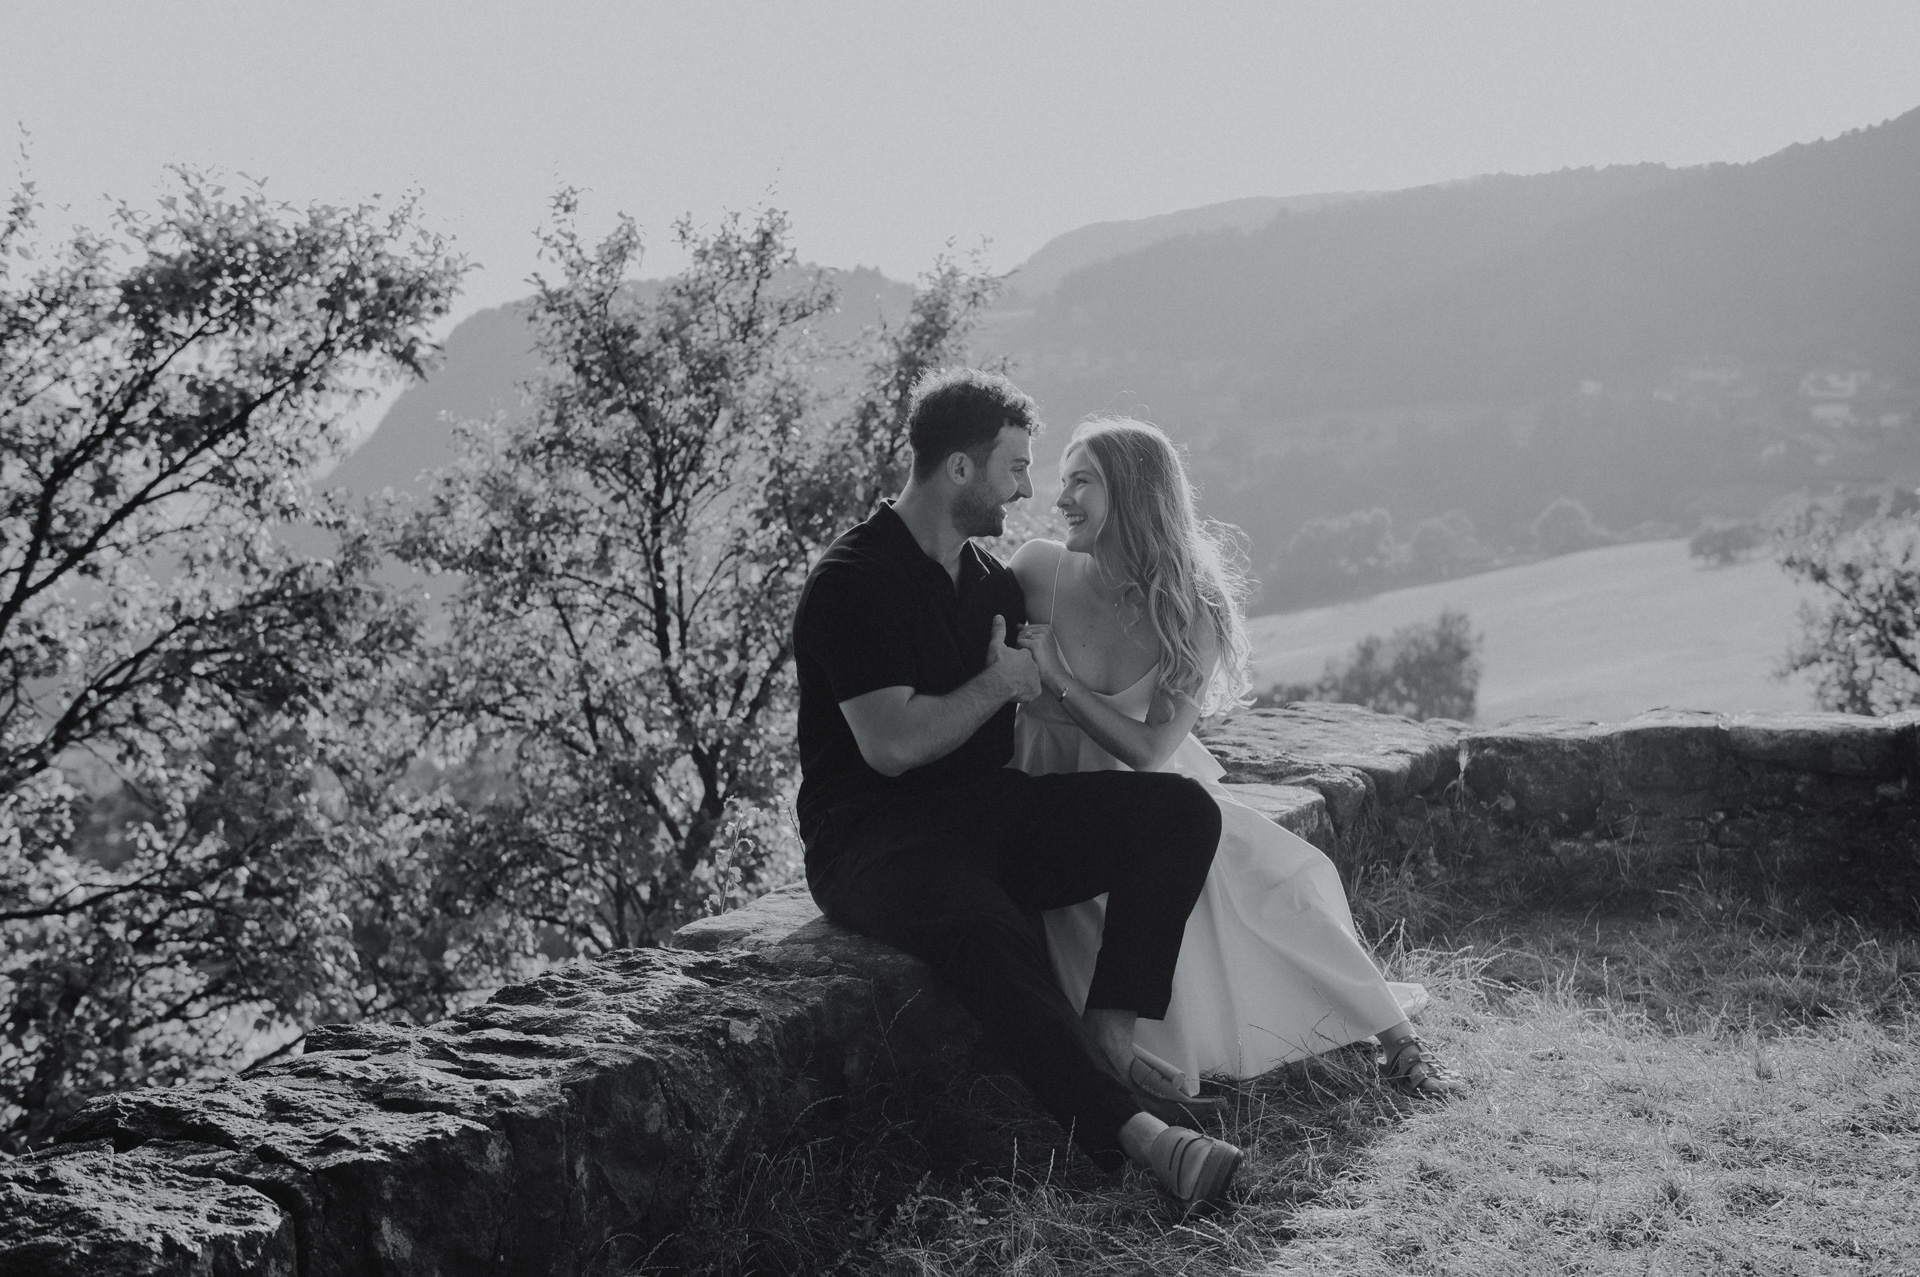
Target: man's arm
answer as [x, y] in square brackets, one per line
[899, 729]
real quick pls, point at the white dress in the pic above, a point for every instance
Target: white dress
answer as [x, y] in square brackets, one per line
[1270, 968]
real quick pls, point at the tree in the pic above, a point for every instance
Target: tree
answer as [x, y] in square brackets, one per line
[1565, 526]
[1420, 671]
[1446, 546]
[164, 388]
[629, 562]
[1861, 639]
[1335, 558]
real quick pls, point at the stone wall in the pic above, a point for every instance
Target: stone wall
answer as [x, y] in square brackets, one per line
[566, 1126]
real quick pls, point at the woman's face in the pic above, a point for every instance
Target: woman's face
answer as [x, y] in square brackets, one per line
[1083, 498]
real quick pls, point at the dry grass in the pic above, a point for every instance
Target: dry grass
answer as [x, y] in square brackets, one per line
[1719, 1087]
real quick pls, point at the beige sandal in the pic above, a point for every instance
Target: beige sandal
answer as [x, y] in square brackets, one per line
[1410, 1067]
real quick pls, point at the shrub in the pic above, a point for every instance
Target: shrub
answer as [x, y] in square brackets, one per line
[1721, 544]
[1862, 638]
[1420, 671]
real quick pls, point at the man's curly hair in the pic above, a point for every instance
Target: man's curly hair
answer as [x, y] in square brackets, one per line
[963, 410]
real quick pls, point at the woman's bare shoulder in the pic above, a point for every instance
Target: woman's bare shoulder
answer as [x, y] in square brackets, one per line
[1034, 559]
[1033, 566]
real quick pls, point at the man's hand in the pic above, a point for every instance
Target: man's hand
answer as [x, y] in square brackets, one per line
[1010, 666]
[898, 729]
[1038, 639]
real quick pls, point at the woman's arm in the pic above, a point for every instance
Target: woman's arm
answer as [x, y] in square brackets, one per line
[1141, 746]
[1035, 565]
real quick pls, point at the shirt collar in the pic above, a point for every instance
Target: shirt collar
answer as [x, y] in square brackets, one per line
[898, 539]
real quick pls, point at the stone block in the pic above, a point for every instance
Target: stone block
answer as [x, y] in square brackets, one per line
[1399, 757]
[1881, 749]
[1292, 807]
[1674, 762]
[755, 925]
[570, 1117]
[1549, 770]
[84, 1210]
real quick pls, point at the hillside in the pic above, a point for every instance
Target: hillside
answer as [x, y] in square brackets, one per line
[1061, 256]
[1662, 345]
[1501, 287]
[489, 357]
[1603, 634]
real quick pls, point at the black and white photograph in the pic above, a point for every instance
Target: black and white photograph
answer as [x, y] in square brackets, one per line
[1247, 639]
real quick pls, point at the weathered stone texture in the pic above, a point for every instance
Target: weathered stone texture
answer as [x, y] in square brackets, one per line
[1363, 765]
[1821, 804]
[84, 1209]
[565, 1126]
[560, 1128]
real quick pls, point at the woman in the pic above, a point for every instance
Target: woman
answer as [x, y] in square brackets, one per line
[1138, 632]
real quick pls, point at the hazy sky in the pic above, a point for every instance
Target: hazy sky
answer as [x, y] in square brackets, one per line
[888, 129]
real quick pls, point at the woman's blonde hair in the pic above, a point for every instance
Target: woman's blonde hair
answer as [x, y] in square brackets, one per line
[1183, 566]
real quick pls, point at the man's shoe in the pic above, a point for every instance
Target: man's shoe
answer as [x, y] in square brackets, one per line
[1195, 1170]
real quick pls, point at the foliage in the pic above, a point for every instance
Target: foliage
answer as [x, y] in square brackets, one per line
[1446, 546]
[628, 562]
[1334, 558]
[1420, 671]
[163, 388]
[1565, 527]
[1358, 553]
[1862, 638]
[1723, 544]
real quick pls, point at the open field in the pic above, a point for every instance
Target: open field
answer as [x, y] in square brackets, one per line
[1603, 634]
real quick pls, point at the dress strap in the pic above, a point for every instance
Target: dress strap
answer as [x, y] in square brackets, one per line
[1053, 611]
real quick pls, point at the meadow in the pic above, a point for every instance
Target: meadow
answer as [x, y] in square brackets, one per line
[1603, 634]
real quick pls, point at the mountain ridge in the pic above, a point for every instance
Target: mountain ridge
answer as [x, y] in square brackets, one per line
[1636, 337]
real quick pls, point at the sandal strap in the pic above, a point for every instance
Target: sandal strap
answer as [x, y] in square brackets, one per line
[1392, 1061]
[1420, 1071]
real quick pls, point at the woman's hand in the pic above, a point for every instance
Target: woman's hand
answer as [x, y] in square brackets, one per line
[1038, 639]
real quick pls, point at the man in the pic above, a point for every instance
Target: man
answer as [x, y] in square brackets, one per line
[919, 834]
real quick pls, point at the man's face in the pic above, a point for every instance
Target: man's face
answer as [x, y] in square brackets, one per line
[980, 510]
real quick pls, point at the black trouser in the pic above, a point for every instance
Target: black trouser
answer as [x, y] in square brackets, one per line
[952, 876]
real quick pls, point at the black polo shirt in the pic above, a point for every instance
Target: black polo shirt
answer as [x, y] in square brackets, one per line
[877, 612]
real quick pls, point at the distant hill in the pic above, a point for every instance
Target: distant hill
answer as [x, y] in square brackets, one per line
[1502, 286]
[1060, 256]
[1659, 344]
[489, 357]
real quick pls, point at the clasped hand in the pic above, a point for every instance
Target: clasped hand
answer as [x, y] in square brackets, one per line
[1016, 668]
[1038, 639]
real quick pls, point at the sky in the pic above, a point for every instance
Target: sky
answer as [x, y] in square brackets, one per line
[888, 130]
